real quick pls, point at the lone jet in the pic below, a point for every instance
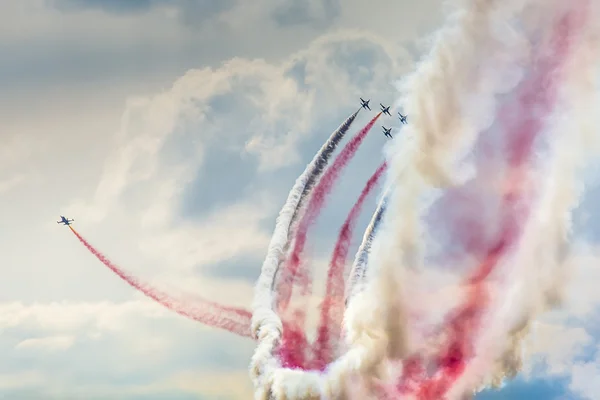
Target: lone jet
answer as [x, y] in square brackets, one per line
[387, 132]
[365, 104]
[402, 117]
[386, 110]
[65, 221]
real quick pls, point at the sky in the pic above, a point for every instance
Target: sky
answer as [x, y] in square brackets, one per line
[172, 131]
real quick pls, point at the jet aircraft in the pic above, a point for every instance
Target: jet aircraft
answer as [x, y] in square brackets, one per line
[402, 117]
[387, 132]
[65, 221]
[386, 110]
[365, 103]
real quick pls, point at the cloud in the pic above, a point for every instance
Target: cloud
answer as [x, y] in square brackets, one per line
[111, 6]
[318, 13]
[555, 347]
[96, 350]
[563, 345]
[50, 343]
[18, 380]
[189, 12]
[15, 152]
[584, 380]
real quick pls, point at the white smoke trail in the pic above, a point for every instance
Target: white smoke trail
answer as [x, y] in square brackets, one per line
[359, 266]
[313, 172]
[266, 324]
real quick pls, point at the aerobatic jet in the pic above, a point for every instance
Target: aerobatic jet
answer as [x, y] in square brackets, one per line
[386, 110]
[402, 117]
[387, 132]
[65, 221]
[365, 103]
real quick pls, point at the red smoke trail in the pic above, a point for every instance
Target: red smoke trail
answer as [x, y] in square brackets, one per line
[539, 95]
[238, 321]
[316, 203]
[333, 303]
[294, 345]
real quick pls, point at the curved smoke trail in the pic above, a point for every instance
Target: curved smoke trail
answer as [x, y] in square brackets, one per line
[314, 171]
[231, 319]
[321, 163]
[294, 344]
[332, 306]
[358, 269]
[292, 266]
[295, 347]
[263, 314]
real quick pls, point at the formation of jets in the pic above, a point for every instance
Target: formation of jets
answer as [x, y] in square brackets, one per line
[386, 110]
[65, 221]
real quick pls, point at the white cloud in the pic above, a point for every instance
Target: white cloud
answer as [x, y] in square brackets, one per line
[79, 349]
[561, 343]
[18, 380]
[556, 347]
[50, 343]
[585, 381]
[74, 317]
[10, 183]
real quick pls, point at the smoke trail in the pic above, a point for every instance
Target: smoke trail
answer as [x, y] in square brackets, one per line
[322, 161]
[263, 314]
[233, 320]
[332, 305]
[315, 170]
[358, 270]
[294, 344]
[314, 207]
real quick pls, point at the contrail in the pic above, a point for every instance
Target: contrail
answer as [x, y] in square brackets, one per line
[315, 204]
[332, 306]
[231, 319]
